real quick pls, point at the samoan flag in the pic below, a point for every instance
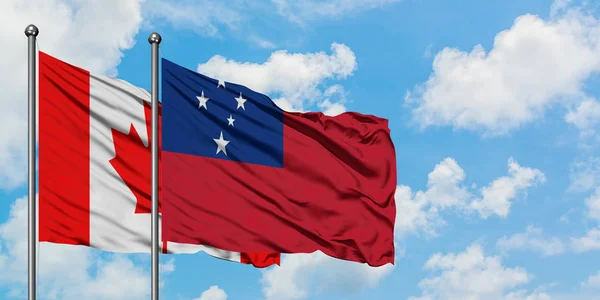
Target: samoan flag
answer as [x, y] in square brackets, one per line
[240, 174]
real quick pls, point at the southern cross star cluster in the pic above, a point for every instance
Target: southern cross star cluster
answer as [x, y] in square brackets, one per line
[202, 103]
[209, 118]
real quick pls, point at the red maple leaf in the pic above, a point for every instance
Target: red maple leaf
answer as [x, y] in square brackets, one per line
[133, 161]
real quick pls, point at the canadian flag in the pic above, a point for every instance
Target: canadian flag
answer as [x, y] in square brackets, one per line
[95, 165]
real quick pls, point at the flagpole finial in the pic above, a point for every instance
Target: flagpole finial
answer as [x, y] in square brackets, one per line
[154, 38]
[32, 30]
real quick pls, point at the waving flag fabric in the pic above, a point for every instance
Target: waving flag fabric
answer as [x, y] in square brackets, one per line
[94, 165]
[240, 173]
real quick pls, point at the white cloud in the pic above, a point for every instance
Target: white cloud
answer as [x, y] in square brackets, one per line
[297, 77]
[301, 11]
[585, 117]
[286, 105]
[592, 282]
[472, 275]
[496, 196]
[533, 65]
[524, 295]
[331, 109]
[559, 6]
[212, 18]
[592, 204]
[532, 240]
[415, 214]
[585, 175]
[420, 211]
[165, 268]
[213, 293]
[217, 18]
[65, 271]
[427, 53]
[589, 242]
[302, 274]
[262, 43]
[202, 16]
[334, 102]
[443, 185]
[69, 30]
[117, 278]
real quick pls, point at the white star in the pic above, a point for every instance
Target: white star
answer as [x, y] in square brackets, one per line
[221, 143]
[221, 83]
[202, 100]
[240, 102]
[230, 120]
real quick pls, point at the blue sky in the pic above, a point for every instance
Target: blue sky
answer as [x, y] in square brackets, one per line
[493, 109]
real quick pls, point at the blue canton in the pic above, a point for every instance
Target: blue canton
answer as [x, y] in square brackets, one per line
[206, 117]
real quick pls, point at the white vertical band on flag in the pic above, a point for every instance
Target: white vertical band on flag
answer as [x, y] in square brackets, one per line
[114, 226]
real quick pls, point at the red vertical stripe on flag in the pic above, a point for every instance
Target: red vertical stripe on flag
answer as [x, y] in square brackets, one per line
[64, 152]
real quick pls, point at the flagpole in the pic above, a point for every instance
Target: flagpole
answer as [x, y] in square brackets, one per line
[31, 32]
[154, 39]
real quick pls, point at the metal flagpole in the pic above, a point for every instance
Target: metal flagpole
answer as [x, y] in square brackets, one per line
[154, 40]
[31, 32]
